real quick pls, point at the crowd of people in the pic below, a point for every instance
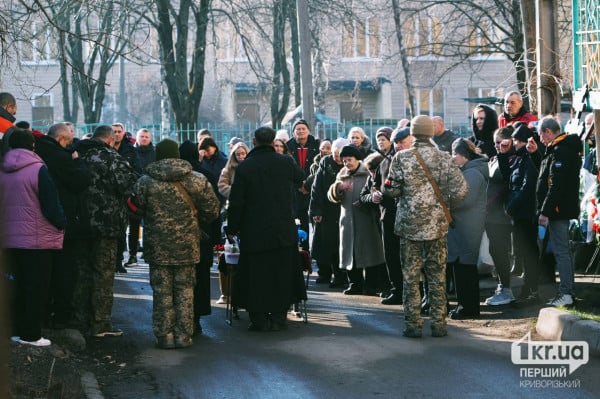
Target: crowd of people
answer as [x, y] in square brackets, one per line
[404, 220]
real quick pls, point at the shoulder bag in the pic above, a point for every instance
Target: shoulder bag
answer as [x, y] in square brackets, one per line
[436, 189]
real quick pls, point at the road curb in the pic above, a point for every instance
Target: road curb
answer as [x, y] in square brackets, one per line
[557, 325]
[90, 386]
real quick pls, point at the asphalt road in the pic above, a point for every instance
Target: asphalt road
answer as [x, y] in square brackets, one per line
[351, 347]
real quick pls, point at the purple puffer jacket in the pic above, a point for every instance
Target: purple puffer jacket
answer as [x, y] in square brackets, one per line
[24, 224]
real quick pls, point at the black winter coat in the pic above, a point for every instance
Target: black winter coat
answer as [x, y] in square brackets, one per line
[127, 151]
[260, 201]
[484, 138]
[71, 177]
[522, 177]
[558, 183]
[145, 156]
[326, 238]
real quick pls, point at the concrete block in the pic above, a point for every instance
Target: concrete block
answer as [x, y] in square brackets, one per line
[552, 322]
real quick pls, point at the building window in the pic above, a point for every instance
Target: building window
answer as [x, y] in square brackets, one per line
[39, 45]
[361, 39]
[247, 113]
[428, 102]
[479, 38]
[42, 110]
[351, 111]
[229, 43]
[423, 36]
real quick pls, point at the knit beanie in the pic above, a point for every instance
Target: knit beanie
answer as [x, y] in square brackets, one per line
[167, 148]
[300, 122]
[421, 125]
[522, 132]
[351, 151]
[384, 131]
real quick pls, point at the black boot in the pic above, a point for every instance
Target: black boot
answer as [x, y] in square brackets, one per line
[395, 297]
[466, 279]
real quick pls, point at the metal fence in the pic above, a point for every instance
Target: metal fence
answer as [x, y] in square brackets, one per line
[223, 132]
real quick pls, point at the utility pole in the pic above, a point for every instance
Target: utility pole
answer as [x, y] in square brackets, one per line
[308, 103]
[528, 28]
[547, 63]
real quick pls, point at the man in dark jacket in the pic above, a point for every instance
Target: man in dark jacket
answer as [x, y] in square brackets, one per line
[442, 137]
[260, 213]
[71, 177]
[125, 149]
[303, 147]
[105, 203]
[557, 195]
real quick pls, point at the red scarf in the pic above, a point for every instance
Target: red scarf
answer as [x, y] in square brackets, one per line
[302, 154]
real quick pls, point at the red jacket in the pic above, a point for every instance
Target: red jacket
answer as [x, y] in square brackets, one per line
[5, 124]
[504, 119]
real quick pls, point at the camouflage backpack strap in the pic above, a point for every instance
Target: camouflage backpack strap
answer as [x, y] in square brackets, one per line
[436, 189]
[187, 197]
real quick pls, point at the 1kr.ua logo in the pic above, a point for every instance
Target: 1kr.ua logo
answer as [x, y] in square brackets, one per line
[553, 353]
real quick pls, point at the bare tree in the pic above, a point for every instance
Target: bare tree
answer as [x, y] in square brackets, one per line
[182, 36]
[472, 29]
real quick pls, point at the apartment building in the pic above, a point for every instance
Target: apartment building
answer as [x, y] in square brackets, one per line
[358, 73]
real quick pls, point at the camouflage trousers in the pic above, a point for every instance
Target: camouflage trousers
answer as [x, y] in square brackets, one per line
[93, 295]
[173, 300]
[430, 257]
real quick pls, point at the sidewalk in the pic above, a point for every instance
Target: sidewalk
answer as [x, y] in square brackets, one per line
[557, 325]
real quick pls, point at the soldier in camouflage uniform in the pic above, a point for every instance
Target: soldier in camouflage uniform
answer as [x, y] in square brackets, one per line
[422, 224]
[104, 210]
[172, 219]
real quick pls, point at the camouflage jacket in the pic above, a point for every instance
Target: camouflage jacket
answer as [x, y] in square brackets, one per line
[420, 216]
[112, 180]
[171, 232]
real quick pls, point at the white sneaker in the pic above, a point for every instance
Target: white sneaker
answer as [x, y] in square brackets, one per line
[561, 300]
[502, 296]
[40, 342]
[223, 299]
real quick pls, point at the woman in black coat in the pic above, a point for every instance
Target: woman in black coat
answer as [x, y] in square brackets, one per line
[326, 216]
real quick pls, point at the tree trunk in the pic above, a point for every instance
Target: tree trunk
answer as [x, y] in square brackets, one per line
[184, 87]
[404, 59]
[280, 93]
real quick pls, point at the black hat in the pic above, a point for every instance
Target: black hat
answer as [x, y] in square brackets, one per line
[400, 134]
[522, 132]
[300, 122]
[351, 151]
[167, 148]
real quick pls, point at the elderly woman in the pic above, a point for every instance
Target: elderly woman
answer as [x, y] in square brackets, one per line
[361, 246]
[326, 217]
[464, 238]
